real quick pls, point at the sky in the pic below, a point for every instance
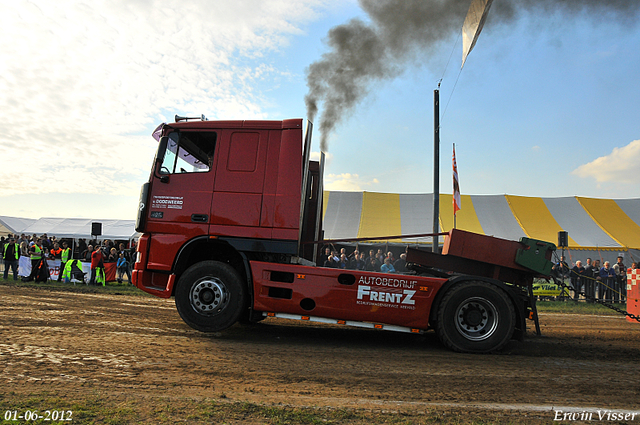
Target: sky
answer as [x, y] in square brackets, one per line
[546, 104]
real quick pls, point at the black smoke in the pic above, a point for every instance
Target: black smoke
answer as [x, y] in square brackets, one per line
[405, 32]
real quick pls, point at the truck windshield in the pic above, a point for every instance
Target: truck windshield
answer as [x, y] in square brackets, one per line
[188, 152]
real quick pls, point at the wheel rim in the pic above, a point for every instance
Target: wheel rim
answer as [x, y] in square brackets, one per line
[476, 319]
[209, 296]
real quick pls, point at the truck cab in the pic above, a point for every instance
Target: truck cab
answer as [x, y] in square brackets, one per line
[224, 189]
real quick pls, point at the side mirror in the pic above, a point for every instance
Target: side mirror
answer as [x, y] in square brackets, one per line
[162, 148]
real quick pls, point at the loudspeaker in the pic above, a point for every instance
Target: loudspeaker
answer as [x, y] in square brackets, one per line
[96, 229]
[563, 238]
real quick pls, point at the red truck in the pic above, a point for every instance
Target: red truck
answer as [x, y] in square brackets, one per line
[230, 219]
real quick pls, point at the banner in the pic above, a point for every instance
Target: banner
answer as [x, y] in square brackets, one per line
[54, 269]
[24, 266]
[548, 289]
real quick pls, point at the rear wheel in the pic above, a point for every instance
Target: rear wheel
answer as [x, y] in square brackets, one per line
[210, 296]
[475, 317]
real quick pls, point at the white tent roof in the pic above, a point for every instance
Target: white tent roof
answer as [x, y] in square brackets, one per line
[72, 227]
[14, 224]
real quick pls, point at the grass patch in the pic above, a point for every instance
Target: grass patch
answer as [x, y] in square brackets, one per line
[41, 403]
[113, 288]
[573, 307]
[93, 409]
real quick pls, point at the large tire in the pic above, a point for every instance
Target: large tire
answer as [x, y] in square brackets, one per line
[475, 317]
[210, 296]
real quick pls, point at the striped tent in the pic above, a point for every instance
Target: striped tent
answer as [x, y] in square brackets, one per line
[606, 226]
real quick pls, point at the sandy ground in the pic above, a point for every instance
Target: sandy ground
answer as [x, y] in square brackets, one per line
[75, 344]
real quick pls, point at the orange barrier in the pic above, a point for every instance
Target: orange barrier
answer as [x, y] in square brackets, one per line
[633, 293]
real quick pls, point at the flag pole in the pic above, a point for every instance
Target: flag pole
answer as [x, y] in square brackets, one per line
[436, 167]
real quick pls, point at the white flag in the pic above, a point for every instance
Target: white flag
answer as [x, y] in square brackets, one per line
[473, 24]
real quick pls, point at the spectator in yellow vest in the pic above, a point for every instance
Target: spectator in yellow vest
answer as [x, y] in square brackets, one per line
[10, 255]
[35, 252]
[65, 255]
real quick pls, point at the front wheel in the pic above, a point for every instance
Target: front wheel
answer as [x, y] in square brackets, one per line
[210, 296]
[475, 317]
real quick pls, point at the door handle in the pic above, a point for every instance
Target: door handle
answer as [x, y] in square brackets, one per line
[199, 218]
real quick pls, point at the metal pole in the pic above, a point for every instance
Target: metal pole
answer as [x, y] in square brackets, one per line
[454, 194]
[436, 167]
[562, 268]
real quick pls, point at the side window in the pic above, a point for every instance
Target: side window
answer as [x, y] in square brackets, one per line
[189, 152]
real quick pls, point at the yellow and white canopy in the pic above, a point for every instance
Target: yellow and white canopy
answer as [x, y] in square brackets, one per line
[603, 224]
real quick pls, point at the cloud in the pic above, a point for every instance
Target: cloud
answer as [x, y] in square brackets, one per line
[83, 82]
[348, 182]
[622, 165]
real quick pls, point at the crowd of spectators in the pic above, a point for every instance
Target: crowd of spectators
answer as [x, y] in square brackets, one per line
[592, 281]
[43, 247]
[356, 260]
[605, 283]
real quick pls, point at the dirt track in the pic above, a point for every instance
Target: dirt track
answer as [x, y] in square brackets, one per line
[132, 347]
